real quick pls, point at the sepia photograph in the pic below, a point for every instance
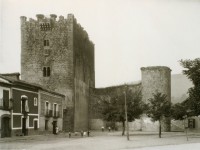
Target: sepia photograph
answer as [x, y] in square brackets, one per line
[99, 74]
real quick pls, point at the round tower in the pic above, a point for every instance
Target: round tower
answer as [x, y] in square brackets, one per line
[157, 79]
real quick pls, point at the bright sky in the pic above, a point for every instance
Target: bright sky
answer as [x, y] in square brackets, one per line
[128, 34]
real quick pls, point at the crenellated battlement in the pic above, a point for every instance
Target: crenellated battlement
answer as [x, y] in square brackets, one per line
[48, 23]
[51, 17]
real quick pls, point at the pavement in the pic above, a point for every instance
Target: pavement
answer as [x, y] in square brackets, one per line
[104, 140]
[93, 134]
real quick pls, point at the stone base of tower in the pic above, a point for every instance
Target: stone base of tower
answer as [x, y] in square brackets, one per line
[68, 119]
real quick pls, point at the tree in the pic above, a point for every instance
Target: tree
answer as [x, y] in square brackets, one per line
[158, 108]
[114, 108]
[192, 71]
[178, 111]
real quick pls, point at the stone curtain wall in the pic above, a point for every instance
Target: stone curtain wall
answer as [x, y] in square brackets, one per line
[96, 98]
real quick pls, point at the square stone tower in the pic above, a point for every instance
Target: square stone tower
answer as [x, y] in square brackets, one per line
[59, 55]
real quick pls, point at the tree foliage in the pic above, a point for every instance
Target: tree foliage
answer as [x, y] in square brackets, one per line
[158, 108]
[192, 71]
[114, 108]
[178, 111]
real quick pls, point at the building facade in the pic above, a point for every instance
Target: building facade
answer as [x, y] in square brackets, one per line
[23, 108]
[51, 111]
[5, 107]
[57, 54]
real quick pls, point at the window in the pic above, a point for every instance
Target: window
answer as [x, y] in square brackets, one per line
[35, 101]
[46, 105]
[45, 26]
[46, 71]
[54, 109]
[5, 99]
[46, 42]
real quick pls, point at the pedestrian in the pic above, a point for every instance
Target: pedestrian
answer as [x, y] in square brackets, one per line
[84, 133]
[109, 129]
[57, 129]
[102, 128]
[88, 133]
[81, 133]
[69, 134]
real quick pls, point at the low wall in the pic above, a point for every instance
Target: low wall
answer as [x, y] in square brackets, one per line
[96, 124]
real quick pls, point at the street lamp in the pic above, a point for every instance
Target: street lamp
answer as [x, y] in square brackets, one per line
[127, 127]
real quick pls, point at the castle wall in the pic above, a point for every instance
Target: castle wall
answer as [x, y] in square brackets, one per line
[84, 76]
[96, 98]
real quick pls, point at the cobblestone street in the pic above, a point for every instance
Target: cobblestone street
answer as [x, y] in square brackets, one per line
[106, 141]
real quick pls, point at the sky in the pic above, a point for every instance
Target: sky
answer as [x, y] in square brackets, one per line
[128, 34]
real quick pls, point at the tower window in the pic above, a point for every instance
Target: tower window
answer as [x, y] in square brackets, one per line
[45, 26]
[46, 42]
[46, 71]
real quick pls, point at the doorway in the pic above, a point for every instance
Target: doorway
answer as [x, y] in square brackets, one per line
[5, 127]
[54, 127]
[24, 130]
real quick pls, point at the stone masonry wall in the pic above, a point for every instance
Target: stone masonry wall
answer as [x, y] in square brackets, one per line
[84, 76]
[157, 79]
[96, 97]
[70, 56]
[58, 55]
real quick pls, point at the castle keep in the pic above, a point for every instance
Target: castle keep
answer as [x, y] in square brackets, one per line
[57, 54]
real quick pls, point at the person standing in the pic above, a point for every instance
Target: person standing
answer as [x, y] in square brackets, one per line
[109, 129]
[102, 128]
[88, 133]
[57, 129]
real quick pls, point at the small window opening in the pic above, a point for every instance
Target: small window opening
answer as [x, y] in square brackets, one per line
[46, 42]
[48, 71]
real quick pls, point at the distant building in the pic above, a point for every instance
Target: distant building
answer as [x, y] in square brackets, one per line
[23, 108]
[57, 54]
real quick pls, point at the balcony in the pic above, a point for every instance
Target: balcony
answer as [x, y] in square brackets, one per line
[48, 113]
[5, 105]
[56, 114]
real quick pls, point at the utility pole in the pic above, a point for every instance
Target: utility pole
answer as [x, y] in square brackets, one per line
[127, 127]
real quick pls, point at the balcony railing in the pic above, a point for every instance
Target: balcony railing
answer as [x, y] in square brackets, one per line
[5, 105]
[48, 113]
[56, 114]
